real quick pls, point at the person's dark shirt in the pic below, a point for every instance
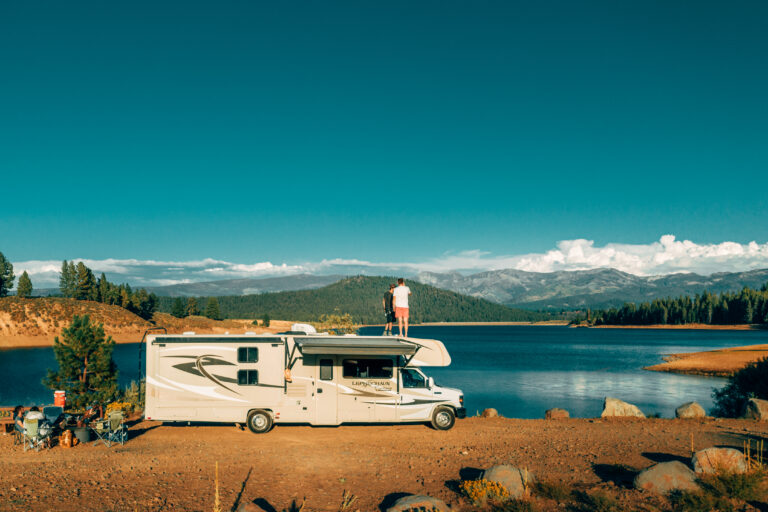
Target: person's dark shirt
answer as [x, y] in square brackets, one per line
[16, 420]
[388, 301]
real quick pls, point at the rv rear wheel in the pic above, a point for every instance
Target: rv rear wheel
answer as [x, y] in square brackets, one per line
[259, 421]
[443, 418]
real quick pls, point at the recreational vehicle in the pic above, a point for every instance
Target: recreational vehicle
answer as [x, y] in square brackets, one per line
[265, 379]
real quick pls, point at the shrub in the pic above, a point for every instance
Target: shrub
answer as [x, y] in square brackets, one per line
[483, 491]
[749, 382]
[553, 491]
[743, 486]
[596, 501]
[688, 501]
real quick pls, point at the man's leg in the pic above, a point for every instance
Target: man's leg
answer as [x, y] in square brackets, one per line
[406, 326]
[400, 324]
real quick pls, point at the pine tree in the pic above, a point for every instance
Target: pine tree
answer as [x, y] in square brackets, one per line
[212, 309]
[85, 283]
[24, 287]
[192, 307]
[178, 308]
[103, 289]
[66, 279]
[86, 369]
[6, 276]
[265, 320]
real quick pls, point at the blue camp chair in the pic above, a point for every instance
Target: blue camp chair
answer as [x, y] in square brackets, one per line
[111, 429]
[53, 413]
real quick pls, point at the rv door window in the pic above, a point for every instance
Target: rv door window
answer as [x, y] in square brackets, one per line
[367, 368]
[248, 377]
[326, 369]
[413, 379]
[247, 355]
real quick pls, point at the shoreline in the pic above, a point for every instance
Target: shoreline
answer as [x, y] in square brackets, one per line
[711, 363]
[448, 324]
[698, 327]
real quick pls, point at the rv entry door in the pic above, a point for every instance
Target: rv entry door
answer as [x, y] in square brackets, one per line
[326, 392]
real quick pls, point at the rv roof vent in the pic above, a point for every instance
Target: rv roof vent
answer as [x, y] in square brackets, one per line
[251, 333]
[226, 332]
[305, 328]
[189, 333]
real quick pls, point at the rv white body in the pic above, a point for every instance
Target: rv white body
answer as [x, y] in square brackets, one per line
[296, 378]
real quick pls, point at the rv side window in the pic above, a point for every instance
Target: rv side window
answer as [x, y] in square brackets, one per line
[367, 368]
[247, 354]
[326, 369]
[247, 377]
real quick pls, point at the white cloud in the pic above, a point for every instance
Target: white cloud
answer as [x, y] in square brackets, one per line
[667, 255]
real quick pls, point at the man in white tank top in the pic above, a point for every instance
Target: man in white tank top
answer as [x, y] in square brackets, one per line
[400, 299]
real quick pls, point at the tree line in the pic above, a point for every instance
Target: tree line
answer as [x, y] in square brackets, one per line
[361, 298]
[77, 281]
[24, 287]
[748, 306]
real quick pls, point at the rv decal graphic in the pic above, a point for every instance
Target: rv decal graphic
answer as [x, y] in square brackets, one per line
[197, 368]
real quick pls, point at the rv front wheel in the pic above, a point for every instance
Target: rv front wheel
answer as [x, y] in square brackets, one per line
[443, 418]
[259, 422]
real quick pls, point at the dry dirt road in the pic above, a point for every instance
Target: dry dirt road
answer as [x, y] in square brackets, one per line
[165, 467]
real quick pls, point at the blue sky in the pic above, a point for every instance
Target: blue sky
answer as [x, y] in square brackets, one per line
[296, 132]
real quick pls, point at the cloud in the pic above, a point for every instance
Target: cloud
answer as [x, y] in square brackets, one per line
[665, 256]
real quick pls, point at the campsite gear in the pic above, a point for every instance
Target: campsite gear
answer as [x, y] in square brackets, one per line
[53, 413]
[60, 399]
[37, 433]
[66, 439]
[295, 377]
[83, 434]
[112, 429]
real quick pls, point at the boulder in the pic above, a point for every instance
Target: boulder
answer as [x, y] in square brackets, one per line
[249, 507]
[690, 410]
[665, 477]
[489, 413]
[719, 460]
[556, 414]
[613, 407]
[757, 409]
[511, 478]
[418, 503]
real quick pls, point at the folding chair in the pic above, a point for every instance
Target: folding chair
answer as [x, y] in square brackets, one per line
[112, 429]
[31, 437]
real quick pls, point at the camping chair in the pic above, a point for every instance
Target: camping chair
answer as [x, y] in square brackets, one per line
[111, 430]
[31, 437]
[52, 413]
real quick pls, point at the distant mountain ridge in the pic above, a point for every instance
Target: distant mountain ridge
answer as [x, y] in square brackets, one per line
[245, 286]
[599, 288]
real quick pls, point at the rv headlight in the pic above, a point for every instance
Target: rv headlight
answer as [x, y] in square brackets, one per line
[461, 399]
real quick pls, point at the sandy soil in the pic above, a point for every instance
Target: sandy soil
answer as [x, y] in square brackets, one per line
[722, 362]
[164, 467]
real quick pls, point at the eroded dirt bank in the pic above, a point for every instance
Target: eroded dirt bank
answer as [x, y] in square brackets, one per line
[166, 467]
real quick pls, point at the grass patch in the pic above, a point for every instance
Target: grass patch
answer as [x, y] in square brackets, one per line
[514, 506]
[742, 486]
[688, 501]
[595, 501]
[553, 491]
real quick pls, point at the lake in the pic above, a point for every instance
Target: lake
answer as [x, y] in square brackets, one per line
[519, 370]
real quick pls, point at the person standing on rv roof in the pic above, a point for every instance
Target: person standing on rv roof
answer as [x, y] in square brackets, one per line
[401, 294]
[389, 310]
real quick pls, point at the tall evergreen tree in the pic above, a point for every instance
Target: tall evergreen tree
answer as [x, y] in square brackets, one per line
[192, 307]
[6, 276]
[24, 287]
[66, 280]
[103, 289]
[85, 283]
[212, 309]
[178, 308]
[86, 369]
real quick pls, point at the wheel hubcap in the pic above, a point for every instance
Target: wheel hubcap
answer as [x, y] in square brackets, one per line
[259, 422]
[443, 419]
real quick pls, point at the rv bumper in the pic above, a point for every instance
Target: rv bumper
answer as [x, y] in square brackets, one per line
[461, 413]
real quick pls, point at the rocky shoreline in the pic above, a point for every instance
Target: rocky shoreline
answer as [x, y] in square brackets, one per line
[712, 363]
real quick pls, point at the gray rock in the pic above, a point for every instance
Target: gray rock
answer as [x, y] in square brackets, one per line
[719, 460]
[249, 507]
[556, 414]
[665, 477]
[489, 413]
[757, 409]
[511, 478]
[613, 407]
[418, 503]
[690, 410]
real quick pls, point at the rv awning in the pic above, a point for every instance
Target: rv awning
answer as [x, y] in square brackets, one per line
[354, 346]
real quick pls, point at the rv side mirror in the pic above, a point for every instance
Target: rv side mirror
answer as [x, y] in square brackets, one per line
[431, 382]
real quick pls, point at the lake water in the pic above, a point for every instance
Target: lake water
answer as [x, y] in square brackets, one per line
[519, 370]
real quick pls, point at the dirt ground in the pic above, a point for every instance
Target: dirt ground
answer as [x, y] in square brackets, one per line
[167, 467]
[722, 362]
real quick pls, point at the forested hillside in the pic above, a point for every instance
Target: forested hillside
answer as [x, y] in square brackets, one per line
[745, 307]
[361, 297]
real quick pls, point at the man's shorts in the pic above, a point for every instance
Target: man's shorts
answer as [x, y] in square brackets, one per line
[390, 316]
[401, 313]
